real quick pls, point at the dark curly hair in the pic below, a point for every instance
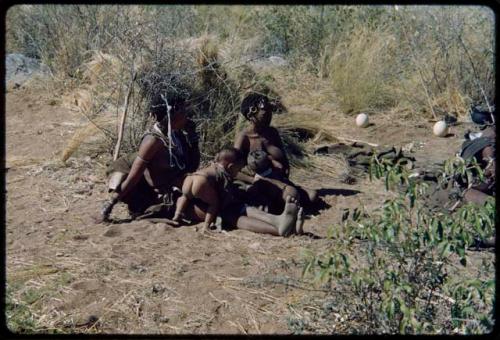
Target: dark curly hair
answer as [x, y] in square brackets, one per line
[252, 100]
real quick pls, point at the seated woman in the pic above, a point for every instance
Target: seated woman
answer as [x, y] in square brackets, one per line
[207, 193]
[167, 152]
[260, 136]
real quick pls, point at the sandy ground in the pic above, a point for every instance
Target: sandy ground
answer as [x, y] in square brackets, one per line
[144, 277]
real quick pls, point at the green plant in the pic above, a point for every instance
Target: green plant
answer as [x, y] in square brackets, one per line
[471, 296]
[19, 317]
[396, 280]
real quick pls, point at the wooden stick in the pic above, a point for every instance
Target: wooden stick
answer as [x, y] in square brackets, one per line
[356, 141]
[124, 116]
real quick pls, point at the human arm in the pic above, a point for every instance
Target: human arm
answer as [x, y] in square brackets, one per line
[278, 155]
[147, 150]
[278, 165]
[241, 143]
[244, 177]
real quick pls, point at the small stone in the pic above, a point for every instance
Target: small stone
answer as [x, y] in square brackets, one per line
[255, 245]
[159, 318]
[59, 254]
[158, 288]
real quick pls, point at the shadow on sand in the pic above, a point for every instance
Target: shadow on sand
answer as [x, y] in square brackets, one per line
[337, 192]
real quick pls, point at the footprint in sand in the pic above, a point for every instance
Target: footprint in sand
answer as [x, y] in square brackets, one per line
[89, 285]
[113, 232]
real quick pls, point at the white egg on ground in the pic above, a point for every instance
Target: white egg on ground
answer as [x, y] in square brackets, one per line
[362, 120]
[440, 129]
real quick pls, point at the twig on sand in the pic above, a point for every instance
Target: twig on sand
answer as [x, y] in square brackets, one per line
[222, 302]
[252, 317]
[239, 326]
[444, 297]
[226, 278]
[356, 141]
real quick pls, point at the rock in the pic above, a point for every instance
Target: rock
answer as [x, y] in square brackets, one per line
[159, 318]
[158, 288]
[277, 61]
[19, 69]
[270, 62]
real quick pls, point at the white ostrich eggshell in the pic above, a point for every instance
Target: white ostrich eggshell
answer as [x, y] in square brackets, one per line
[440, 129]
[362, 120]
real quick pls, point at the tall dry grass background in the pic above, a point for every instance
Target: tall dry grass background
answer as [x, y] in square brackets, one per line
[416, 60]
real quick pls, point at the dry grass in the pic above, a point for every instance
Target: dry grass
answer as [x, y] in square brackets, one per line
[17, 162]
[361, 72]
[84, 134]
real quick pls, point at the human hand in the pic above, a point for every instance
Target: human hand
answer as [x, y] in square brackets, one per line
[103, 214]
[256, 178]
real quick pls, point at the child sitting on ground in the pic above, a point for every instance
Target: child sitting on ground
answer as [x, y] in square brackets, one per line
[261, 136]
[207, 193]
[268, 188]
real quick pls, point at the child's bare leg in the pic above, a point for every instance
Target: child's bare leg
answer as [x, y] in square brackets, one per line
[195, 212]
[181, 205]
[183, 201]
[300, 222]
[255, 225]
[250, 224]
[283, 222]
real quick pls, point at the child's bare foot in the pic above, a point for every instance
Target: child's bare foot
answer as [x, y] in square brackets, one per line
[286, 221]
[299, 224]
[218, 224]
[172, 222]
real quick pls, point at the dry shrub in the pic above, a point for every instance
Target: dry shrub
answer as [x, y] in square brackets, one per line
[79, 99]
[343, 59]
[361, 71]
[192, 68]
[92, 132]
[99, 64]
